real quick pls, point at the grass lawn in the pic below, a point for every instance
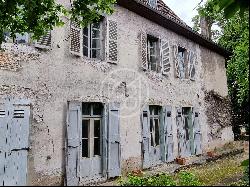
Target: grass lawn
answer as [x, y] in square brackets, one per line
[221, 172]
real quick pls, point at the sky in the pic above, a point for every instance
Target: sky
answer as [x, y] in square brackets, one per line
[184, 9]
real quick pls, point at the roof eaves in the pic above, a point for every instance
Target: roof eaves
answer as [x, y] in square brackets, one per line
[168, 22]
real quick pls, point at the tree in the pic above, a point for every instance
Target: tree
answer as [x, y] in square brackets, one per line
[39, 16]
[234, 36]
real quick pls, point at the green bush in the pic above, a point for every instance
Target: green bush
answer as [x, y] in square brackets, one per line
[183, 179]
[245, 163]
[158, 180]
[188, 179]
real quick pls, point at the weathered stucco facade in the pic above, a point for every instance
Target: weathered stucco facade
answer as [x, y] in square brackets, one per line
[56, 76]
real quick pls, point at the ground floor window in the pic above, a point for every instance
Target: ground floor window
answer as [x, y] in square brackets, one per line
[91, 129]
[155, 125]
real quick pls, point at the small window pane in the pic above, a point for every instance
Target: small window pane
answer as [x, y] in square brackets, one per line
[96, 53]
[152, 140]
[96, 25]
[85, 128]
[157, 137]
[86, 109]
[86, 31]
[151, 125]
[85, 41]
[85, 51]
[85, 148]
[151, 110]
[153, 64]
[97, 128]
[97, 146]
[95, 33]
[96, 43]
[97, 109]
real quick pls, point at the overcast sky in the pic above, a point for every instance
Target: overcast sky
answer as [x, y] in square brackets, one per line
[184, 9]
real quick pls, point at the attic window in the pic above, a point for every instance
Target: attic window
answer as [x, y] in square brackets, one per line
[19, 38]
[152, 3]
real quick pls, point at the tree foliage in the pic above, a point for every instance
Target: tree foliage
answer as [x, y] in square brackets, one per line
[234, 36]
[39, 16]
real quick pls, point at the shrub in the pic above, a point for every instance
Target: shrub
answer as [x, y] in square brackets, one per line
[188, 179]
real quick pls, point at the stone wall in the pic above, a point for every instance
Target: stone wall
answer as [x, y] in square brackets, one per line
[57, 77]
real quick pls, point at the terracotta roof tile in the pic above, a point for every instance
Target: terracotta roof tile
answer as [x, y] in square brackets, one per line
[165, 10]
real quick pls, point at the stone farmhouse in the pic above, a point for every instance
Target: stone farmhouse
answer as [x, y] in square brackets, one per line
[138, 89]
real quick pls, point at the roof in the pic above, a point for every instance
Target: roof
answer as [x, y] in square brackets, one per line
[165, 17]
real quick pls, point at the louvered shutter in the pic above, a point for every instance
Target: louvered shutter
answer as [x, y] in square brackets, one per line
[73, 143]
[197, 132]
[114, 145]
[166, 134]
[165, 57]
[112, 52]
[181, 133]
[191, 67]
[76, 39]
[143, 49]
[45, 41]
[176, 61]
[169, 134]
[145, 137]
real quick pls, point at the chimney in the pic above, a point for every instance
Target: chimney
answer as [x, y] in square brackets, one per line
[205, 28]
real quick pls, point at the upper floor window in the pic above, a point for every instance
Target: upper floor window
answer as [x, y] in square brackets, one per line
[97, 41]
[18, 38]
[183, 62]
[92, 41]
[152, 3]
[153, 53]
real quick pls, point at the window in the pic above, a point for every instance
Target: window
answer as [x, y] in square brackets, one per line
[183, 63]
[19, 38]
[92, 41]
[187, 111]
[153, 54]
[154, 125]
[152, 3]
[91, 129]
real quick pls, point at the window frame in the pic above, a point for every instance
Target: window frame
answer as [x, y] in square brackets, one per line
[156, 41]
[90, 39]
[183, 63]
[91, 132]
[154, 117]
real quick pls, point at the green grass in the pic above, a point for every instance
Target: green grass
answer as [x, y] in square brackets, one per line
[226, 172]
[216, 172]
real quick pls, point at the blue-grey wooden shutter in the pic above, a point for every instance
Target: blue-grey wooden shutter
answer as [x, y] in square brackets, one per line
[143, 49]
[145, 137]
[112, 41]
[197, 132]
[3, 128]
[169, 134]
[165, 57]
[45, 41]
[176, 61]
[76, 39]
[180, 133]
[105, 139]
[114, 145]
[14, 142]
[74, 117]
[192, 65]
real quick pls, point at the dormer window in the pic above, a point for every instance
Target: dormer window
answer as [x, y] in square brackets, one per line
[152, 3]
